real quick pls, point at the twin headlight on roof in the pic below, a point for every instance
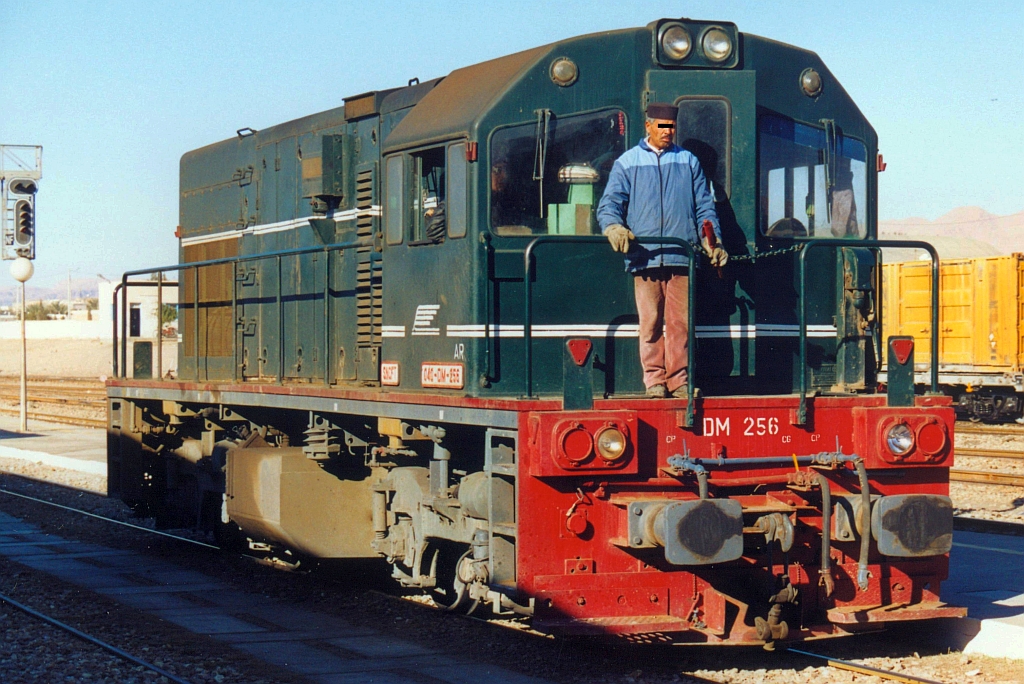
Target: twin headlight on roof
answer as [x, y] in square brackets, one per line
[696, 44]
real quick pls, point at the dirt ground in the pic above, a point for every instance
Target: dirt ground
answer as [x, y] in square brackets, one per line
[68, 358]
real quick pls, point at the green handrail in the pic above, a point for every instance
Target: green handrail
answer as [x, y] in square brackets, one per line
[591, 239]
[218, 262]
[810, 243]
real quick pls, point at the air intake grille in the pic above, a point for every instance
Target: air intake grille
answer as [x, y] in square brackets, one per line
[369, 287]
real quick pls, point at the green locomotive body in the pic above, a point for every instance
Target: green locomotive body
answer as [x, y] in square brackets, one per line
[458, 299]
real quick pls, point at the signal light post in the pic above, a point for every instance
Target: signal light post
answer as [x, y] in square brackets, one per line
[21, 167]
[22, 270]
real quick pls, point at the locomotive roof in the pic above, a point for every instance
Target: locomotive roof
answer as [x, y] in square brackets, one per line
[450, 109]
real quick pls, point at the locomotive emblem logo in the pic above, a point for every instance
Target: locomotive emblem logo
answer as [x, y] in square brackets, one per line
[423, 324]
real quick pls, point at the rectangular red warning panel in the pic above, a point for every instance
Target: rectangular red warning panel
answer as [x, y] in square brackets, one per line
[442, 375]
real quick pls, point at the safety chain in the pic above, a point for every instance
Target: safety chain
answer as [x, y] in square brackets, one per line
[770, 253]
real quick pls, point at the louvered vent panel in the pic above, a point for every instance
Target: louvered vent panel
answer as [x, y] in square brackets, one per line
[368, 276]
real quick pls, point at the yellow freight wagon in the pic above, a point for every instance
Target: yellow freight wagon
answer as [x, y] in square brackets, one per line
[981, 341]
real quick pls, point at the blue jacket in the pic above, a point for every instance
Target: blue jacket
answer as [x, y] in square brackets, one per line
[656, 195]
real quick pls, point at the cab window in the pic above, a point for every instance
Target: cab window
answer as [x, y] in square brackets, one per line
[546, 177]
[394, 223]
[456, 204]
[428, 197]
[704, 128]
[806, 189]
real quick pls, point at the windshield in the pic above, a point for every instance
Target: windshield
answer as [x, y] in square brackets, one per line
[547, 177]
[806, 188]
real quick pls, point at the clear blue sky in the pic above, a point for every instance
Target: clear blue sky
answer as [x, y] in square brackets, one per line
[117, 91]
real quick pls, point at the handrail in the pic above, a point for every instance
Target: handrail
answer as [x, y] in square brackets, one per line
[297, 251]
[810, 243]
[114, 318]
[528, 304]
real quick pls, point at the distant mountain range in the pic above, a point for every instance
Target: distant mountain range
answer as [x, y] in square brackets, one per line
[80, 288]
[971, 231]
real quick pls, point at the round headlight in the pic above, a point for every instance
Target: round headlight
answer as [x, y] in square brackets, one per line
[676, 42]
[564, 72]
[899, 439]
[611, 444]
[810, 82]
[717, 45]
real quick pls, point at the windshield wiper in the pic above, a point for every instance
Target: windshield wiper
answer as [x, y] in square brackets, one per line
[540, 154]
[831, 160]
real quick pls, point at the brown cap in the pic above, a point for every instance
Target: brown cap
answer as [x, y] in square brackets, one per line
[662, 110]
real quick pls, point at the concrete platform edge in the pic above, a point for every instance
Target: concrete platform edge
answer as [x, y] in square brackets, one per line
[990, 637]
[78, 465]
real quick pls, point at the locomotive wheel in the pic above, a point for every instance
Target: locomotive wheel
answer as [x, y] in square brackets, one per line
[449, 592]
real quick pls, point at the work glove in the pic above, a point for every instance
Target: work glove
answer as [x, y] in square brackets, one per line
[716, 254]
[619, 237]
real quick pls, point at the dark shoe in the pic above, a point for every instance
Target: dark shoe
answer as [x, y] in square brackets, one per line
[657, 392]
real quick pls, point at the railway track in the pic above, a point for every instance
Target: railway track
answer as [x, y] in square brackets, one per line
[986, 477]
[91, 639]
[81, 421]
[81, 400]
[964, 428]
[74, 395]
[1011, 458]
[992, 453]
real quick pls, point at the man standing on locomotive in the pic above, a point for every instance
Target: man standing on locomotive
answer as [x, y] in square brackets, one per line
[657, 189]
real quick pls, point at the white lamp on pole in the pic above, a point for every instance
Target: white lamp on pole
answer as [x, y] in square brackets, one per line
[22, 269]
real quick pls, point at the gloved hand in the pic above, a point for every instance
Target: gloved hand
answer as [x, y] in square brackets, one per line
[619, 237]
[716, 254]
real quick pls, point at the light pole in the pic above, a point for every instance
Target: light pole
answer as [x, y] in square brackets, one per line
[67, 311]
[22, 269]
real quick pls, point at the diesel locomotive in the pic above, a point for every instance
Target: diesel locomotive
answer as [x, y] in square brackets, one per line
[403, 337]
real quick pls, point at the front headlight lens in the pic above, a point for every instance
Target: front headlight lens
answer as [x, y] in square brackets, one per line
[899, 439]
[611, 444]
[810, 82]
[717, 45]
[564, 72]
[676, 42]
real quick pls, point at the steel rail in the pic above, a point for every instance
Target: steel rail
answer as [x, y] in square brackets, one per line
[59, 391]
[91, 639]
[64, 420]
[96, 402]
[986, 477]
[55, 383]
[865, 669]
[106, 519]
[975, 429]
[990, 453]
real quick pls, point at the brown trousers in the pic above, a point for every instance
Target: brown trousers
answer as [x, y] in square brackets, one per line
[662, 304]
